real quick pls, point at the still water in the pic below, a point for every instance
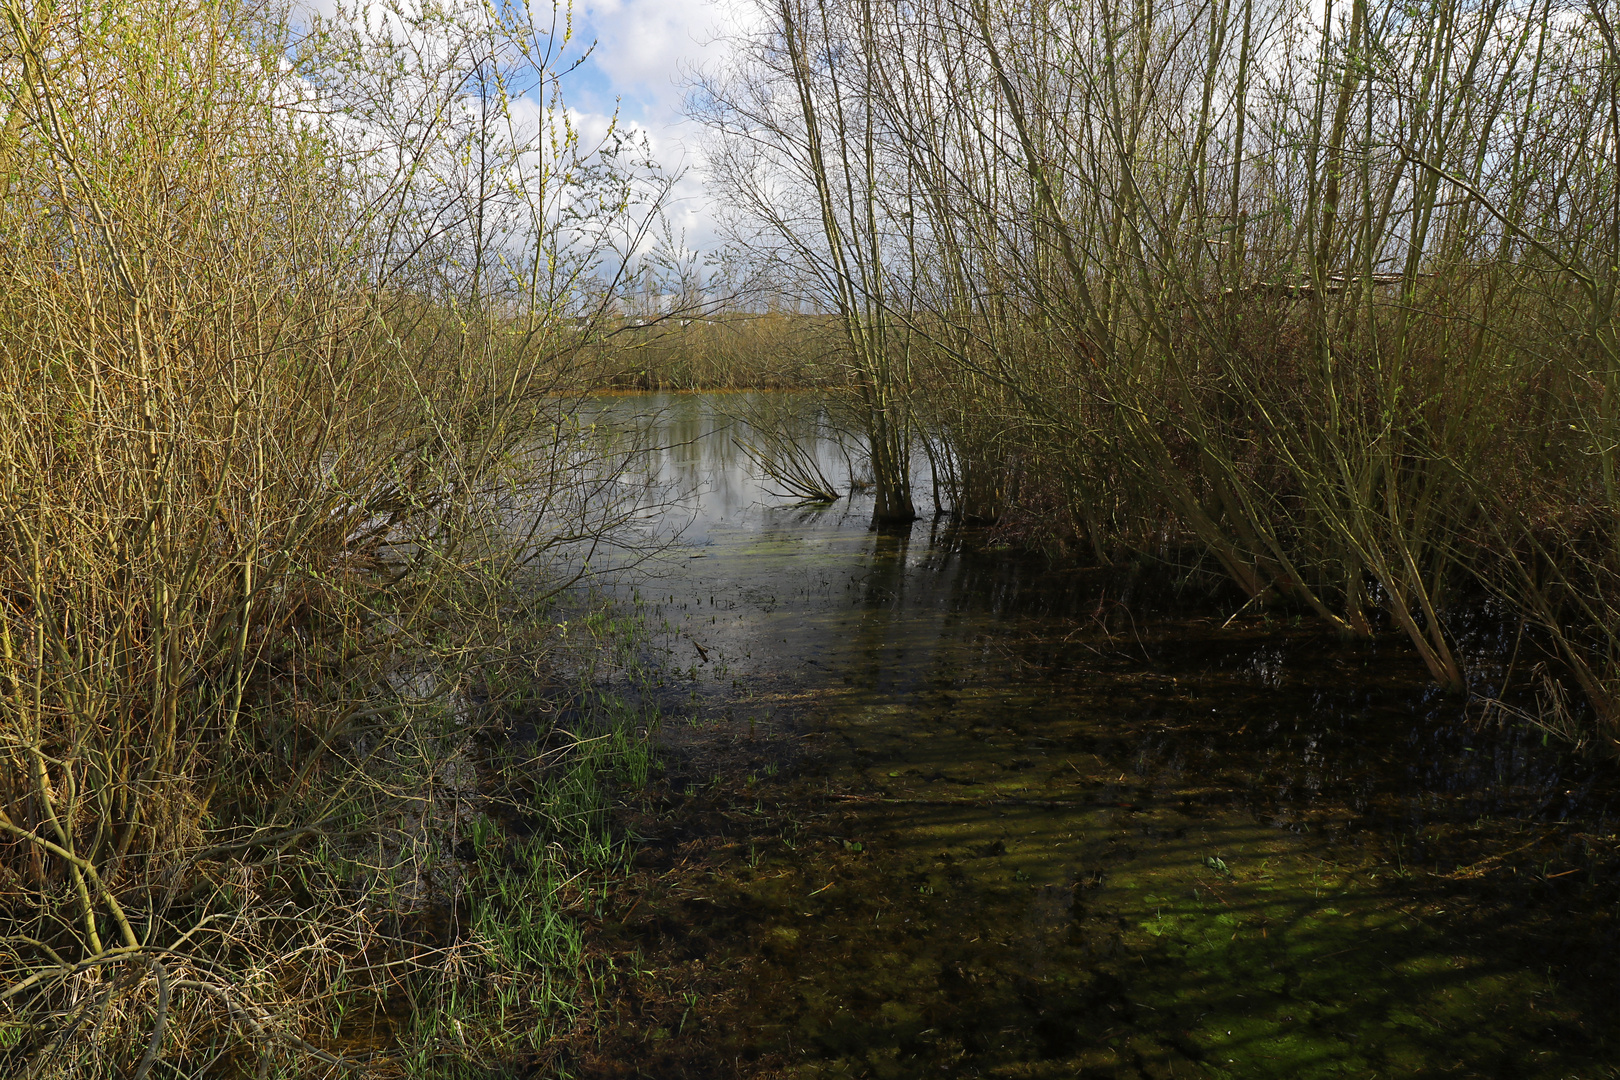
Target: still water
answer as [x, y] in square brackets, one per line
[931, 808]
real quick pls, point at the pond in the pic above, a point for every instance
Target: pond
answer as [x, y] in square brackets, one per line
[931, 808]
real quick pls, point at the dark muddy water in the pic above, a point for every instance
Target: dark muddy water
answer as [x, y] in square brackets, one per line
[934, 809]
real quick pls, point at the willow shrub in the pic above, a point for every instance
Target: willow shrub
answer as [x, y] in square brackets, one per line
[272, 437]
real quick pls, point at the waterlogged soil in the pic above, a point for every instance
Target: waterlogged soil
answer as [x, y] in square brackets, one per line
[928, 808]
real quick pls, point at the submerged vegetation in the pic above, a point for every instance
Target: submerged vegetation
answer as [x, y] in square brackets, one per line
[1321, 298]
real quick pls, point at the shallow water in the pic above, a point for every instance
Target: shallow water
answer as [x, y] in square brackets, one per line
[943, 810]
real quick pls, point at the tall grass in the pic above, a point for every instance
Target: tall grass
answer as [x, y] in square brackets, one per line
[284, 423]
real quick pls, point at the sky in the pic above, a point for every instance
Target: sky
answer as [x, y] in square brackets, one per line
[645, 50]
[642, 54]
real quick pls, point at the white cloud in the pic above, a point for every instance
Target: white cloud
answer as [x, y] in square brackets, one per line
[591, 127]
[646, 47]
[646, 51]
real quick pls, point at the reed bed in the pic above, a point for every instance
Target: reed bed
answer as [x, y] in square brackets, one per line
[721, 350]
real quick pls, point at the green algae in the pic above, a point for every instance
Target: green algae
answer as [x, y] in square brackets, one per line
[942, 924]
[1299, 972]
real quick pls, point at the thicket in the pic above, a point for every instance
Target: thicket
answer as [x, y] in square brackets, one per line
[1326, 293]
[288, 472]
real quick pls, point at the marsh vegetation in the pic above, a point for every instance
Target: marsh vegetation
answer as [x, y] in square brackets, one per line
[310, 727]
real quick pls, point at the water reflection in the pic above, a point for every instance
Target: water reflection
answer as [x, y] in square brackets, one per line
[1046, 821]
